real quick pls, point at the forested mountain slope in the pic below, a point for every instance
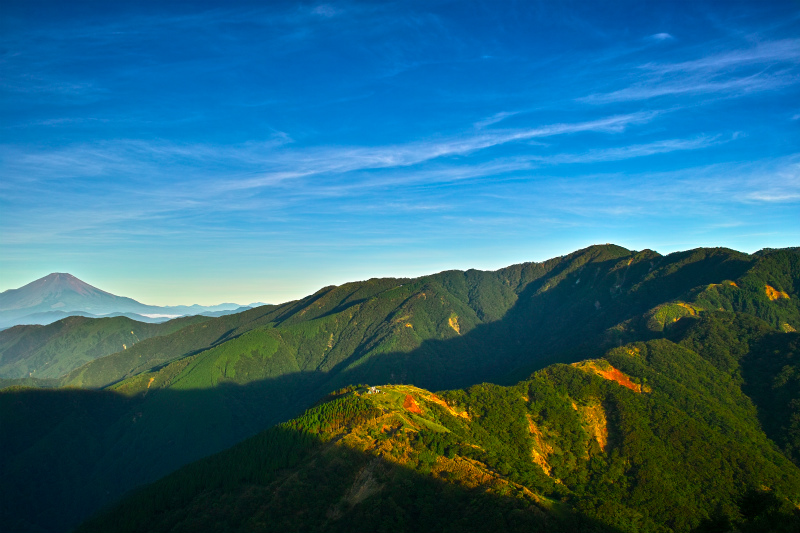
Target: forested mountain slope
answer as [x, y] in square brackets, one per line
[654, 437]
[51, 351]
[523, 314]
[175, 398]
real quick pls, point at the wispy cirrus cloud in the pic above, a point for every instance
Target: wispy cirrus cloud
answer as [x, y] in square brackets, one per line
[503, 166]
[494, 119]
[765, 67]
[717, 188]
[632, 151]
[272, 161]
[349, 159]
[754, 83]
[771, 52]
[144, 182]
[257, 165]
[781, 186]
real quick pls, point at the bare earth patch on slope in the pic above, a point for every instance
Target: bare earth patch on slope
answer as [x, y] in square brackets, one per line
[606, 371]
[775, 294]
[453, 323]
[596, 423]
[411, 405]
[540, 450]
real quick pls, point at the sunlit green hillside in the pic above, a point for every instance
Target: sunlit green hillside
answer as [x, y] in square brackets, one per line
[172, 399]
[51, 351]
[654, 437]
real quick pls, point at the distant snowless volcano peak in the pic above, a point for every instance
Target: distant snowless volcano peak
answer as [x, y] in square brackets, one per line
[61, 294]
[64, 292]
[60, 281]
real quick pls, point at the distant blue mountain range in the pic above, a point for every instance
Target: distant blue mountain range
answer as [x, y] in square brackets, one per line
[59, 295]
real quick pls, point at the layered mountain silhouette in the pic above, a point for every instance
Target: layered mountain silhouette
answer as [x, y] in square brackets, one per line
[59, 295]
[689, 362]
[53, 350]
[654, 437]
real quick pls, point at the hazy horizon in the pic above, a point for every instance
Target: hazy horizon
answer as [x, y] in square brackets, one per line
[310, 290]
[209, 152]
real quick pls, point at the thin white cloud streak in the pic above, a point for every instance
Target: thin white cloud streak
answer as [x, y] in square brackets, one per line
[132, 157]
[780, 186]
[780, 197]
[140, 159]
[341, 160]
[783, 51]
[754, 83]
[630, 152]
[702, 191]
[206, 182]
[741, 193]
[497, 168]
[494, 119]
[726, 73]
[345, 173]
[706, 192]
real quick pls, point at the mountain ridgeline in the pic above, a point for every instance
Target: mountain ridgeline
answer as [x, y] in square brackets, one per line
[521, 315]
[689, 369]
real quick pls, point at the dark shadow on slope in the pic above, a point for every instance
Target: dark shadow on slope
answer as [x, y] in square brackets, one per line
[287, 480]
[104, 438]
[764, 361]
[684, 270]
[567, 322]
[343, 307]
[81, 460]
[565, 301]
[771, 373]
[300, 304]
[65, 452]
[51, 351]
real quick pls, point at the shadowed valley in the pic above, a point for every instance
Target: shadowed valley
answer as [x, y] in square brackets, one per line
[175, 398]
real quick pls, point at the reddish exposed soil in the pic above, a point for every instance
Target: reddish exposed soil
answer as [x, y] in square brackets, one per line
[616, 375]
[411, 405]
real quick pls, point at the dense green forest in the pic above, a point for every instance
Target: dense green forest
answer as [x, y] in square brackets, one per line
[727, 317]
[654, 437]
[51, 351]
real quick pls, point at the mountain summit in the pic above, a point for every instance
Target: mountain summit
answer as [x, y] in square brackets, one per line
[58, 282]
[60, 294]
[60, 291]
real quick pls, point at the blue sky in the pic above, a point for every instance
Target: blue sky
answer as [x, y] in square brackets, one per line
[207, 152]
